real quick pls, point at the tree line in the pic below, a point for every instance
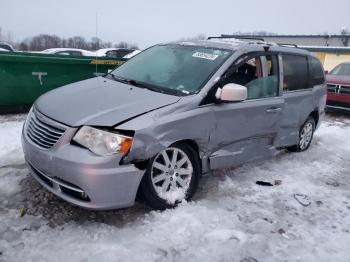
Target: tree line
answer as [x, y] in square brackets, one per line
[44, 41]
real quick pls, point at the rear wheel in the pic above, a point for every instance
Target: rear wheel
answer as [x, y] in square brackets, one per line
[171, 176]
[305, 136]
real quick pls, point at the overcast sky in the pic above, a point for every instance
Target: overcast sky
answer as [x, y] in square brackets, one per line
[151, 21]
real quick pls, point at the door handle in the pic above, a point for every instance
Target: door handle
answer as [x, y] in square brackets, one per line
[273, 110]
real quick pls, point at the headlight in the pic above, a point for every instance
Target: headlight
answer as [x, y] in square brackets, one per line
[103, 142]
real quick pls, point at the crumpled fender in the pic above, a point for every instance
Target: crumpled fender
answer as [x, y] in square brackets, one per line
[159, 129]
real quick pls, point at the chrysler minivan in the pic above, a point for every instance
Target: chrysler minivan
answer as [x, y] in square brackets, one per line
[173, 112]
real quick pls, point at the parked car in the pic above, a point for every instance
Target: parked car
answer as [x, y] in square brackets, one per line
[6, 47]
[175, 111]
[338, 85]
[68, 51]
[132, 54]
[114, 52]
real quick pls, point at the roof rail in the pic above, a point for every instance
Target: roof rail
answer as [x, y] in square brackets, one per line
[291, 45]
[235, 37]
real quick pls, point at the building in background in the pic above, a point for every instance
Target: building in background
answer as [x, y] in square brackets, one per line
[331, 49]
[330, 56]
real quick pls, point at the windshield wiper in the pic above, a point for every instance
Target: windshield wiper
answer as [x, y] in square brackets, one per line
[137, 84]
[149, 87]
[122, 80]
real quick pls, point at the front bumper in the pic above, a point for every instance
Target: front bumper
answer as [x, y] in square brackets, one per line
[80, 177]
[338, 101]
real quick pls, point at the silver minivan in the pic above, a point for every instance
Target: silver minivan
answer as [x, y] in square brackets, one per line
[173, 112]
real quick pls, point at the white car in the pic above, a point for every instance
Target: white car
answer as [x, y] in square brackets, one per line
[6, 47]
[133, 53]
[68, 51]
[115, 52]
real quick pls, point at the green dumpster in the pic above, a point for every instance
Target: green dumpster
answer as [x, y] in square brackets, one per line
[26, 76]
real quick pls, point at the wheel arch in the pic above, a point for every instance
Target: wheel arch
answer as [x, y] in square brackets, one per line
[193, 144]
[190, 142]
[315, 115]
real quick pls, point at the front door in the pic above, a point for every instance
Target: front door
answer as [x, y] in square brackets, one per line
[246, 131]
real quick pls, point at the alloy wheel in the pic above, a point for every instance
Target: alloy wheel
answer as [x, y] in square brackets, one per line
[171, 174]
[306, 135]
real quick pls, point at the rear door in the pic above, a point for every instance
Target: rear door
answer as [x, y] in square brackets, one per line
[298, 97]
[245, 131]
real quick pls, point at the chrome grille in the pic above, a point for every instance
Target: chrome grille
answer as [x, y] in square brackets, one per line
[331, 87]
[339, 89]
[43, 131]
[344, 90]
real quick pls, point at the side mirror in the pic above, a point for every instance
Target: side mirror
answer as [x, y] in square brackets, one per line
[326, 72]
[231, 93]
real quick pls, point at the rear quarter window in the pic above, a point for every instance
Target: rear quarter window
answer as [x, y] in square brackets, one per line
[295, 72]
[316, 71]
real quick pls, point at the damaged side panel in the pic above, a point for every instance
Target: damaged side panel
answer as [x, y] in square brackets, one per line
[244, 151]
[158, 130]
[245, 131]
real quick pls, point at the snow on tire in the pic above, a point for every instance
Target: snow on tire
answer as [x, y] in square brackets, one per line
[171, 177]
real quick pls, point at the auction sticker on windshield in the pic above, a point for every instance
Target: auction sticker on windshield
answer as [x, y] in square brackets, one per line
[205, 55]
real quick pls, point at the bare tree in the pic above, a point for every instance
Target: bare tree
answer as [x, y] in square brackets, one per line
[124, 44]
[45, 41]
[194, 38]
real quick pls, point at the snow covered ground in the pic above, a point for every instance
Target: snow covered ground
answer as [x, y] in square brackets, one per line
[229, 220]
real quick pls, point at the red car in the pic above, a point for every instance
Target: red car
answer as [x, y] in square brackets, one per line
[338, 85]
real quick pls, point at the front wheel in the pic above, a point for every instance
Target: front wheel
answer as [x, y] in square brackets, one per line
[305, 136]
[172, 176]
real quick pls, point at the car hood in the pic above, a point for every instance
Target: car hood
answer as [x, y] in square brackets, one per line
[338, 79]
[100, 102]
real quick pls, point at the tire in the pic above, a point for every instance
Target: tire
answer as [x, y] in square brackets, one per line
[164, 186]
[306, 134]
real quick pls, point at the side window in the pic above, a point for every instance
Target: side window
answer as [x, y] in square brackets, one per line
[112, 54]
[74, 53]
[128, 51]
[295, 72]
[316, 70]
[259, 74]
[63, 53]
[122, 52]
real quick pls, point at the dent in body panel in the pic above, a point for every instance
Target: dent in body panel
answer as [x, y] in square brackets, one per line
[240, 152]
[244, 131]
[158, 130]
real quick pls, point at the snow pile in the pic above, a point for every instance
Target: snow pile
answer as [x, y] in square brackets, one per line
[173, 195]
[10, 140]
[230, 220]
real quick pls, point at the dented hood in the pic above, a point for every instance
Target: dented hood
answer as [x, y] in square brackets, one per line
[100, 102]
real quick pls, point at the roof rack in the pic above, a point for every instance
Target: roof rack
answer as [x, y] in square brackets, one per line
[290, 45]
[235, 37]
[259, 40]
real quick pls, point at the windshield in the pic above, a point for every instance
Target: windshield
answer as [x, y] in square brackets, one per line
[173, 68]
[343, 69]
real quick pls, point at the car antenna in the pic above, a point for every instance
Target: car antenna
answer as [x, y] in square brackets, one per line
[266, 48]
[96, 33]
